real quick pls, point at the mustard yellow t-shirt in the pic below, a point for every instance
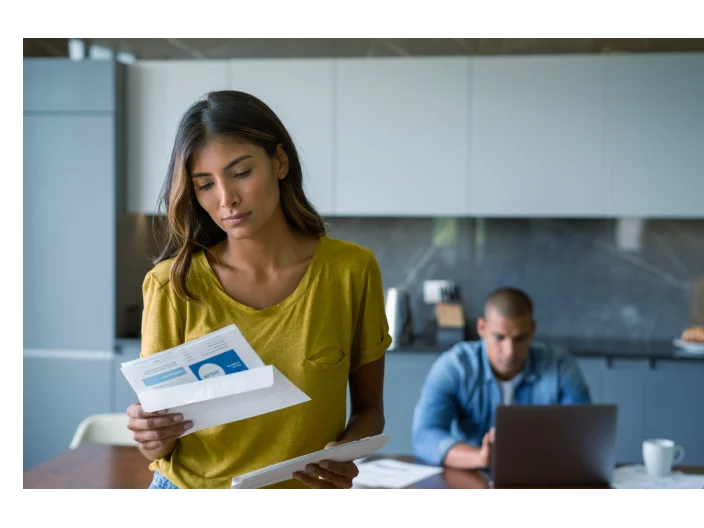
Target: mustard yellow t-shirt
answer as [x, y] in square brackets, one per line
[332, 323]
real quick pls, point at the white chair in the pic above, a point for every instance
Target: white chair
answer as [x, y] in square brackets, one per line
[108, 429]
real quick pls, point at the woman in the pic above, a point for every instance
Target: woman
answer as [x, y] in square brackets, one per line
[243, 245]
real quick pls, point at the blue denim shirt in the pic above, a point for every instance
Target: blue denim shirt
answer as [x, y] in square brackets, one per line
[460, 395]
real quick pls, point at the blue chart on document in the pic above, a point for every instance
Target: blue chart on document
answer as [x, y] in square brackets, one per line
[227, 362]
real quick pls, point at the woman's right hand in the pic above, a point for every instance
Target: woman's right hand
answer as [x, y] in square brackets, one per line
[155, 431]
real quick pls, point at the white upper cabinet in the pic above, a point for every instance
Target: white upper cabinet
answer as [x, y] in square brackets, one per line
[300, 92]
[158, 94]
[519, 136]
[536, 140]
[401, 136]
[654, 135]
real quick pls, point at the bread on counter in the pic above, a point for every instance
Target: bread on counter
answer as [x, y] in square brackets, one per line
[694, 334]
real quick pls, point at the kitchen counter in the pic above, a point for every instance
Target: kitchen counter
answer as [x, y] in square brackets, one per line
[581, 348]
[625, 349]
[128, 342]
[586, 348]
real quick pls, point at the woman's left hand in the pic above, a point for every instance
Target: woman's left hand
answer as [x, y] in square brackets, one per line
[328, 474]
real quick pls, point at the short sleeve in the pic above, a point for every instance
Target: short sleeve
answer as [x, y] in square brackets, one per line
[162, 327]
[372, 332]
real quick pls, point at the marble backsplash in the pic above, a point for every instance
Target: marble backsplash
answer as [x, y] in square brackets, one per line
[606, 279]
[612, 279]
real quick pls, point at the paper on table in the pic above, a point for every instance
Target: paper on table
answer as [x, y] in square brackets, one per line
[214, 379]
[635, 477]
[389, 473]
[283, 471]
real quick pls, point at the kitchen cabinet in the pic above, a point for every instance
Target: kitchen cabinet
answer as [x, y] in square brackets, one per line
[517, 136]
[300, 92]
[403, 380]
[653, 135]
[65, 86]
[404, 375]
[52, 412]
[656, 399]
[158, 94]
[674, 396]
[122, 394]
[71, 190]
[623, 384]
[592, 370]
[536, 136]
[60, 389]
[69, 231]
[401, 136]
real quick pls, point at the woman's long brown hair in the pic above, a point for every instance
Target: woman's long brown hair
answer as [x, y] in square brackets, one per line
[188, 227]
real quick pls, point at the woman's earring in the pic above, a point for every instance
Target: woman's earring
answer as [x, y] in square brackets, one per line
[282, 176]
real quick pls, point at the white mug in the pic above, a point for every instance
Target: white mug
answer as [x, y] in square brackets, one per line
[659, 455]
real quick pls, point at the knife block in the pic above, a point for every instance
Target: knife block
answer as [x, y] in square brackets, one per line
[449, 315]
[450, 324]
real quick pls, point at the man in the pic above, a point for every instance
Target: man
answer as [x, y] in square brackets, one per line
[453, 423]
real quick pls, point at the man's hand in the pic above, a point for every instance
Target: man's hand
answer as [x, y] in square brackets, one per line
[466, 456]
[484, 455]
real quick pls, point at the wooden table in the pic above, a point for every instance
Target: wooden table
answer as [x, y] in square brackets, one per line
[101, 466]
[91, 466]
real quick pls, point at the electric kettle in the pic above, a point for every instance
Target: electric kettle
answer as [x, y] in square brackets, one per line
[398, 315]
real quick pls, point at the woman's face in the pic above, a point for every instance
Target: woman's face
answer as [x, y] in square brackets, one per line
[237, 184]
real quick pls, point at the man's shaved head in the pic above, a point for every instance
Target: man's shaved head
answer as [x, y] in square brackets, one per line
[509, 302]
[507, 329]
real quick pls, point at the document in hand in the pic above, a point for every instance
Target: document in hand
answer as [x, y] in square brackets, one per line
[283, 471]
[215, 379]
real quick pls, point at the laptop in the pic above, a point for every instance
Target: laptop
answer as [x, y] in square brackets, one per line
[553, 445]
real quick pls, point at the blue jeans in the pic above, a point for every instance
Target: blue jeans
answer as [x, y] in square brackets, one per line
[161, 482]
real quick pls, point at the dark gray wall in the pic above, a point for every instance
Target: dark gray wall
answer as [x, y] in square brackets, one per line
[135, 248]
[583, 283]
